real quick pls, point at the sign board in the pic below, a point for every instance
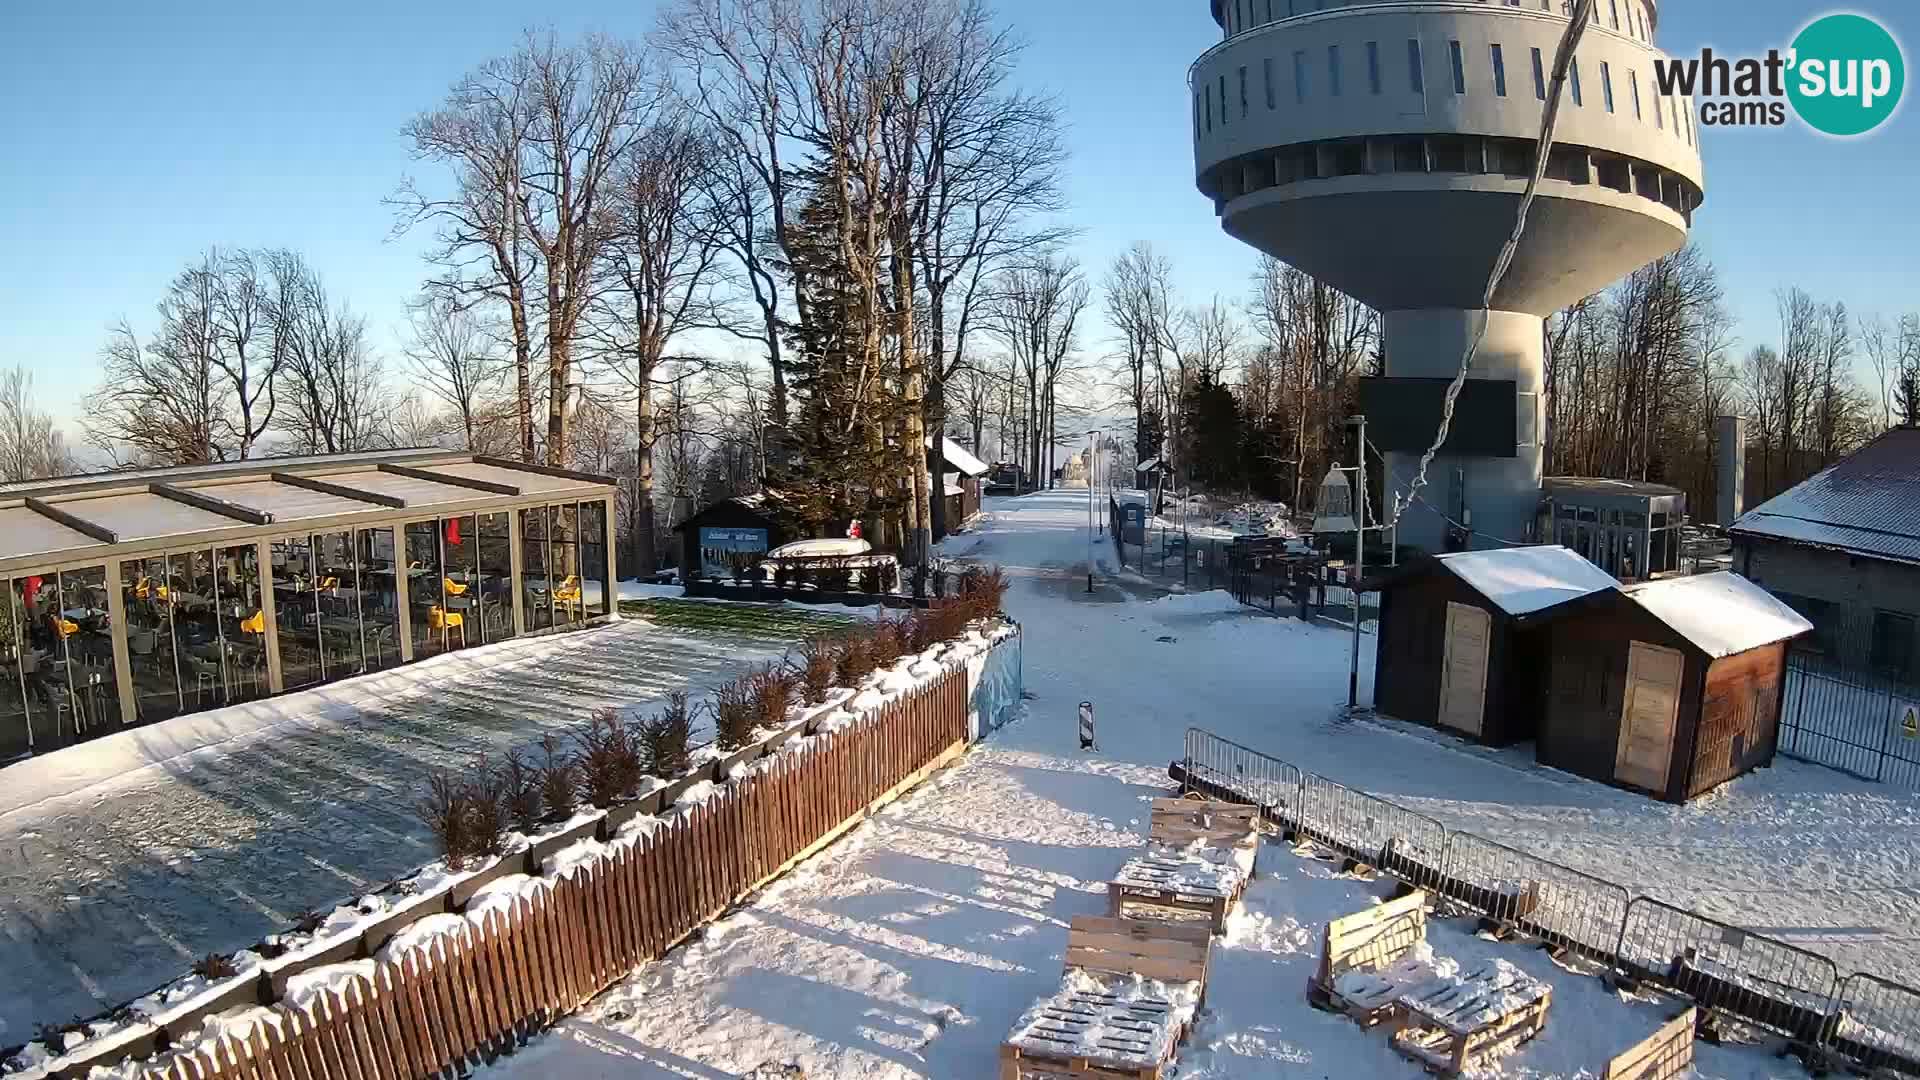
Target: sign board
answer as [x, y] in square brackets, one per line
[719, 546]
[1910, 722]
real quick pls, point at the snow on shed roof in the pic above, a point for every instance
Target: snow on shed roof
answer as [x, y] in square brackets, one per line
[1523, 580]
[958, 457]
[1868, 502]
[1722, 613]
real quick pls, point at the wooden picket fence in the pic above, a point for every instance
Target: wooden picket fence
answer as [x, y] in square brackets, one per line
[472, 994]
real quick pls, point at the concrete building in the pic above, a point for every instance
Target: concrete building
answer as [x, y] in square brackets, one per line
[1384, 147]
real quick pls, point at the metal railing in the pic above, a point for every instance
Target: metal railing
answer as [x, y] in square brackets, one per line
[1847, 716]
[1866, 1020]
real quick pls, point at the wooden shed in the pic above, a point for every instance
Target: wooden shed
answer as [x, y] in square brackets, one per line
[1460, 642]
[711, 540]
[1670, 687]
[960, 475]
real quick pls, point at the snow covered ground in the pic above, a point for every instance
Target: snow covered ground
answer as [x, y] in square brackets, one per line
[229, 824]
[909, 949]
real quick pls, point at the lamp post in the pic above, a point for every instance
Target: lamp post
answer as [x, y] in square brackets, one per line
[1093, 514]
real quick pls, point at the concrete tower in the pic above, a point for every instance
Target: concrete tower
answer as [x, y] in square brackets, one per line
[1383, 146]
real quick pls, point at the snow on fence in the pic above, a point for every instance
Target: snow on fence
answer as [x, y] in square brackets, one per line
[1724, 969]
[449, 991]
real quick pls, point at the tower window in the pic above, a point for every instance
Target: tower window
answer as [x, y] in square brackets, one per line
[1459, 68]
[1659, 113]
[1240, 12]
[1243, 91]
[1633, 80]
[1266, 77]
[1539, 77]
[1614, 7]
[1499, 73]
[1300, 76]
[1606, 84]
[1573, 71]
[1373, 67]
[1223, 99]
[1415, 78]
[1333, 70]
[1196, 117]
[1209, 95]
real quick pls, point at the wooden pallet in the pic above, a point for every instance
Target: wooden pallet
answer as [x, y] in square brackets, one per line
[1168, 952]
[1664, 1055]
[1432, 1033]
[1213, 906]
[1367, 941]
[1233, 827]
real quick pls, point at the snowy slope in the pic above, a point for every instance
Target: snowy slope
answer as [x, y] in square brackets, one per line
[910, 949]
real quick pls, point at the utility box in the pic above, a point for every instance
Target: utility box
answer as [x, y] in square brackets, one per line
[1133, 521]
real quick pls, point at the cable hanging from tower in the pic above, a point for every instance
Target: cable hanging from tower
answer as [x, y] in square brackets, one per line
[1562, 62]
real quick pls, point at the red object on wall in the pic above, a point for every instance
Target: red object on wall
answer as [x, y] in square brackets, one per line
[853, 530]
[453, 531]
[32, 595]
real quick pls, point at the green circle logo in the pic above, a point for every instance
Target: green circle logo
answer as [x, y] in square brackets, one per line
[1847, 75]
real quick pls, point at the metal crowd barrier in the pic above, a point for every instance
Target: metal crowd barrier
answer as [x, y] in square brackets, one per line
[1877, 1024]
[1867, 1020]
[1543, 899]
[1773, 984]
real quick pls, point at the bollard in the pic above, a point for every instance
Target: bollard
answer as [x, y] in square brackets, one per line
[1086, 725]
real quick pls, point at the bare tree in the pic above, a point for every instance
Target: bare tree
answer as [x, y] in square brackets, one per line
[453, 357]
[332, 396]
[1037, 315]
[660, 269]
[532, 139]
[160, 402]
[31, 447]
[245, 350]
[1139, 306]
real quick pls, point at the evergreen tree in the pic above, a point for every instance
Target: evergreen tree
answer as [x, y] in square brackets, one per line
[1212, 434]
[840, 462]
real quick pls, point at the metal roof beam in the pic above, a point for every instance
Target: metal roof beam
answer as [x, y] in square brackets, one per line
[212, 505]
[72, 521]
[542, 470]
[392, 502]
[488, 486]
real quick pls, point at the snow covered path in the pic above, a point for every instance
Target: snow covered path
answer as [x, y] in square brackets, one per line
[908, 949]
[109, 891]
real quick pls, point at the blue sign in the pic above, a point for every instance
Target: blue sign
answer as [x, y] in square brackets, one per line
[720, 547]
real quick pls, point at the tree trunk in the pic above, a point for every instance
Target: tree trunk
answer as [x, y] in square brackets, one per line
[644, 553]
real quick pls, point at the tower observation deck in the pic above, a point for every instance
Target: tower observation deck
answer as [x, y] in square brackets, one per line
[1384, 147]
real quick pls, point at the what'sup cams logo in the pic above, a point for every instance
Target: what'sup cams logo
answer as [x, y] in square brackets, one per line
[1843, 76]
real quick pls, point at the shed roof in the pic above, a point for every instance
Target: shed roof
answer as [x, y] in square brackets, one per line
[1867, 503]
[1722, 613]
[1524, 580]
[958, 457]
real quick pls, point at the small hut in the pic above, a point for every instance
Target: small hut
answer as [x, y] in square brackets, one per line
[1670, 687]
[1460, 642]
[729, 531]
[960, 474]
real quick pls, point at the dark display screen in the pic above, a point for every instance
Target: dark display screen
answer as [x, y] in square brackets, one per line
[1403, 415]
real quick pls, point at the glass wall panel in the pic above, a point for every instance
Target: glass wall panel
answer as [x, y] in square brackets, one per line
[17, 658]
[336, 599]
[44, 661]
[243, 625]
[496, 577]
[593, 557]
[536, 579]
[148, 596]
[423, 588]
[563, 551]
[459, 582]
[194, 589]
[88, 635]
[379, 601]
[296, 611]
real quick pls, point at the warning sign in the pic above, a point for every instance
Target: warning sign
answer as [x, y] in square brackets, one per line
[1910, 722]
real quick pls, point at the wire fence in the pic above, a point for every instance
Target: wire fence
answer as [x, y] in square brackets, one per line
[1863, 1019]
[1266, 572]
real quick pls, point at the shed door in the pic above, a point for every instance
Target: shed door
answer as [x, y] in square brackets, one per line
[1463, 680]
[1648, 712]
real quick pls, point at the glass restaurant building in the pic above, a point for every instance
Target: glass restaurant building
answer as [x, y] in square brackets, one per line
[131, 597]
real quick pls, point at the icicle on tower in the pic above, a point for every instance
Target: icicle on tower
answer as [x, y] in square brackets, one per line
[1384, 147]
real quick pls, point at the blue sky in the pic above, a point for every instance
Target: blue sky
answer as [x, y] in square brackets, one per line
[133, 139]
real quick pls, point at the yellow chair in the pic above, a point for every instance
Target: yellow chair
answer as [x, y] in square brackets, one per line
[443, 620]
[255, 623]
[67, 627]
[568, 593]
[143, 590]
[327, 583]
[452, 588]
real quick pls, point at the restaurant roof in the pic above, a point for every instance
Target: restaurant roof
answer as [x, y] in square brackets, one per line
[70, 518]
[1867, 503]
